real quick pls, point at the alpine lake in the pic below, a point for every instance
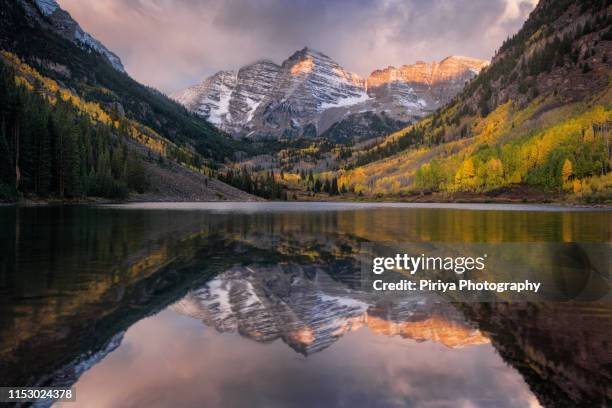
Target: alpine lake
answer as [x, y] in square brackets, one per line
[260, 305]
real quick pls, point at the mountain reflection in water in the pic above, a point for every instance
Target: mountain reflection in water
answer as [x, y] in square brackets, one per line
[309, 314]
[245, 305]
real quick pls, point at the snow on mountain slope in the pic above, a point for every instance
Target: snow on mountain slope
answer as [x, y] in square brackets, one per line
[316, 81]
[211, 98]
[62, 23]
[310, 313]
[255, 83]
[87, 40]
[423, 85]
[309, 92]
[308, 83]
[47, 7]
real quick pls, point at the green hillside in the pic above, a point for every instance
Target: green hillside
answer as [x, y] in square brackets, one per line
[51, 149]
[94, 79]
[537, 117]
[73, 126]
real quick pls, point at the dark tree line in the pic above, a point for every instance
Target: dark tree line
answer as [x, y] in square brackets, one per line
[263, 186]
[52, 150]
[269, 187]
[327, 186]
[318, 185]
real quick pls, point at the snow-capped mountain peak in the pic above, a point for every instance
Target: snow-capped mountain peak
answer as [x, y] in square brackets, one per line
[308, 92]
[311, 313]
[314, 74]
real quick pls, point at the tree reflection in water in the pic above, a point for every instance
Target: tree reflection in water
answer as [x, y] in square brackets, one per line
[74, 279]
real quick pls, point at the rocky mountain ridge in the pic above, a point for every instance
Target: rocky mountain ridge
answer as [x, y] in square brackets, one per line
[309, 92]
[311, 313]
[433, 84]
[50, 15]
[547, 90]
[48, 53]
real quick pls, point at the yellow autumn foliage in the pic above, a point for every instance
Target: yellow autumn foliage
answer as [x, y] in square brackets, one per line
[504, 149]
[31, 78]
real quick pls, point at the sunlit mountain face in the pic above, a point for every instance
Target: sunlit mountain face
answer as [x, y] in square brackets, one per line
[309, 92]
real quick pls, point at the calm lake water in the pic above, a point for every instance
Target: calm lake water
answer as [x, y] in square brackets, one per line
[258, 304]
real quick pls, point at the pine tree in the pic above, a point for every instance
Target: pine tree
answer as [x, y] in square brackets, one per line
[136, 176]
[327, 186]
[317, 186]
[334, 187]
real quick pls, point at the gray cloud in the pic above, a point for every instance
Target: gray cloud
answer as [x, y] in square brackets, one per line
[170, 44]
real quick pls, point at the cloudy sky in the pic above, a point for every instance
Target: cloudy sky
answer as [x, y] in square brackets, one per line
[170, 44]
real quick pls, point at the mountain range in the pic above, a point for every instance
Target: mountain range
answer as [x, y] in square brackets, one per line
[46, 56]
[534, 122]
[311, 312]
[309, 92]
